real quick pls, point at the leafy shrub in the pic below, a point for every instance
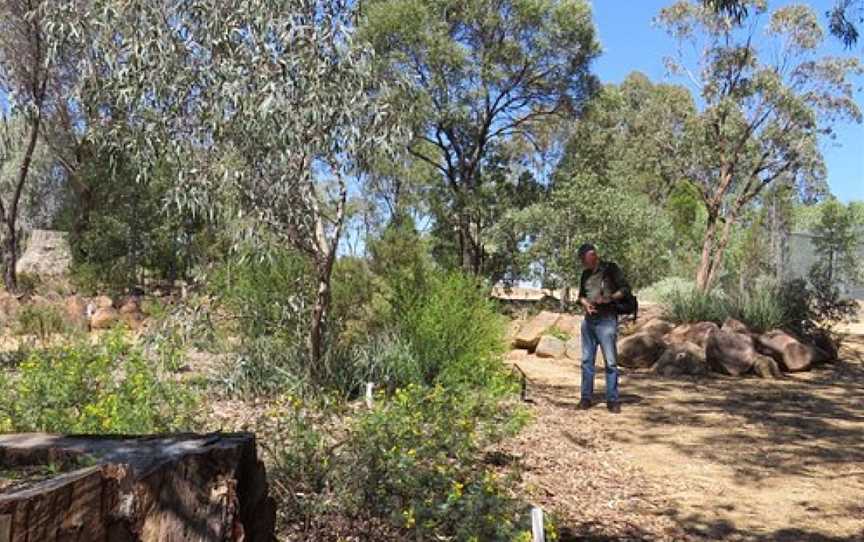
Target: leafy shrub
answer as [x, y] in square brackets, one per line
[453, 330]
[107, 388]
[762, 308]
[809, 308]
[660, 291]
[385, 359]
[415, 462]
[267, 300]
[40, 320]
[693, 305]
[28, 283]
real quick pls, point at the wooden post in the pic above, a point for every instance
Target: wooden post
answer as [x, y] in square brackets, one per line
[537, 530]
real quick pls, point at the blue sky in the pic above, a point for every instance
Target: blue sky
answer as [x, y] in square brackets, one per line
[631, 43]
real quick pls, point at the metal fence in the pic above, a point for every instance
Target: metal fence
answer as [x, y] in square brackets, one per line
[801, 255]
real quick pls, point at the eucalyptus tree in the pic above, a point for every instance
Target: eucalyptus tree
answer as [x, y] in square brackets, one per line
[26, 70]
[267, 109]
[767, 97]
[844, 17]
[485, 73]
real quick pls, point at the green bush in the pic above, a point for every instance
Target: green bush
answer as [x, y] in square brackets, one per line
[267, 301]
[762, 308]
[415, 462]
[660, 291]
[692, 305]
[107, 388]
[41, 321]
[453, 330]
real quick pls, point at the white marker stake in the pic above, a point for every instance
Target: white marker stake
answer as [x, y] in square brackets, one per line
[369, 387]
[537, 524]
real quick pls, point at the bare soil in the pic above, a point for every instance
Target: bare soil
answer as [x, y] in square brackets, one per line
[699, 459]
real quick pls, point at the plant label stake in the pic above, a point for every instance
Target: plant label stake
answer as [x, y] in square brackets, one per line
[537, 525]
[369, 387]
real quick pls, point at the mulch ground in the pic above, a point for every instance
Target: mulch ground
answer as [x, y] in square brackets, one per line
[570, 468]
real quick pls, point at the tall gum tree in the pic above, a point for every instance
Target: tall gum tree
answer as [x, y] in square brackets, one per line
[767, 97]
[484, 73]
[267, 109]
[25, 73]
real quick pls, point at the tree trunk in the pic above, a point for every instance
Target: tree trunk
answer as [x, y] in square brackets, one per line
[319, 313]
[703, 273]
[325, 257]
[465, 244]
[10, 257]
[10, 243]
[720, 250]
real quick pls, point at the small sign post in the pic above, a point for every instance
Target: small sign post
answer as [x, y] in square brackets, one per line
[537, 531]
[369, 387]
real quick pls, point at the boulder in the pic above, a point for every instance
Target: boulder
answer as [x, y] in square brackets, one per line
[695, 333]
[766, 367]
[104, 318]
[734, 326]
[550, 347]
[574, 349]
[135, 320]
[826, 343]
[792, 355]
[570, 324]
[730, 353]
[656, 327]
[530, 334]
[682, 359]
[103, 302]
[130, 306]
[640, 350]
[76, 312]
[47, 254]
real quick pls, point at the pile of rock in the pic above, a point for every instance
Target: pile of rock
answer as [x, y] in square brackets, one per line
[731, 349]
[669, 350]
[550, 335]
[102, 312]
[96, 313]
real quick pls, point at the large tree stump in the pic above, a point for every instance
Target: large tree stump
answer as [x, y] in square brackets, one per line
[179, 488]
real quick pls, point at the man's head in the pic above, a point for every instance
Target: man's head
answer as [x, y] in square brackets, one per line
[588, 256]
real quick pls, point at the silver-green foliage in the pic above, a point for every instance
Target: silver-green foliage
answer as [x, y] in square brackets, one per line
[267, 108]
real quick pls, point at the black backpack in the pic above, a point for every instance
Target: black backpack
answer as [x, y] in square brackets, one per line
[629, 305]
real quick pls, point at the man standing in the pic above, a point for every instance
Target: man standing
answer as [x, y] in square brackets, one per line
[601, 286]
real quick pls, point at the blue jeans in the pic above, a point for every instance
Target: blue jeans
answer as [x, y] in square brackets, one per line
[602, 331]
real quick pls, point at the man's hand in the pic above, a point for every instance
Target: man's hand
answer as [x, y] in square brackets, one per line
[603, 300]
[589, 307]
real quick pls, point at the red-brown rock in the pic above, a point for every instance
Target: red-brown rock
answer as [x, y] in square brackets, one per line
[640, 350]
[695, 333]
[730, 353]
[766, 367]
[734, 326]
[682, 359]
[656, 327]
[792, 354]
[550, 347]
[530, 334]
[104, 318]
[76, 312]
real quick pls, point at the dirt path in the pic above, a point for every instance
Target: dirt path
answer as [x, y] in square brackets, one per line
[709, 459]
